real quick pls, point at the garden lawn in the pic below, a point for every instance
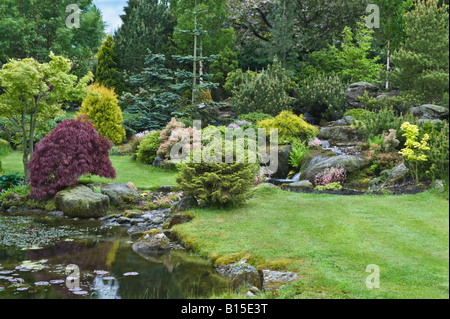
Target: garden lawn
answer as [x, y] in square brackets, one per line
[127, 170]
[330, 240]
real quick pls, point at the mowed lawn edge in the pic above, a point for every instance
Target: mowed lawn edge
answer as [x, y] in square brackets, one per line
[127, 170]
[330, 240]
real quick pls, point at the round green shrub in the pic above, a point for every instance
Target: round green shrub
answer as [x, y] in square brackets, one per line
[148, 148]
[357, 114]
[218, 184]
[290, 128]
[255, 117]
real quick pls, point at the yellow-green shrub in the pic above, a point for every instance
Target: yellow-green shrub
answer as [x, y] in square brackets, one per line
[101, 107]
[290, 128]
[148, 148]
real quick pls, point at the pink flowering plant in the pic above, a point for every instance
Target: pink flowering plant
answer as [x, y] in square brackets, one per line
[330, 175]
[385, 156]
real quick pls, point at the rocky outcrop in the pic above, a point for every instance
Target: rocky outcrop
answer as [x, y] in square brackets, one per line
[397, 175]
[298, 186]
[184, 204]
[430, 113]
[356, 90]
[275, 279]
[154, 242]
[336, 134]
[240, 275]
[82, 202]
[117, 192]
[283, 162]
[319, 164]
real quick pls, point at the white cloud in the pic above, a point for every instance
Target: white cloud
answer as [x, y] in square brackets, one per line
[111, 10]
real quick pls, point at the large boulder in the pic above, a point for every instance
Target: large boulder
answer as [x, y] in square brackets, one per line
[356, 90]
[154, 242]
[275, 279]
[430, 112]
[336, 134]
[82, 202]
[319, 164]
[298, 186]
[283, 162]
[240, 274]
[117, 192]
[397, 175]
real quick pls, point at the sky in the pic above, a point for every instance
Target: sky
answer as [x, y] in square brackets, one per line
[111, 9]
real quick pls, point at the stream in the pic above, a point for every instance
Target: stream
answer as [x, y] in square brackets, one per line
[45, 257]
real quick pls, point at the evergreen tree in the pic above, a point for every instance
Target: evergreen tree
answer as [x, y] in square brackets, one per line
[198, 76]
[31, 28]
[147, 25]
[282, 43]
[422, 62]
[108, 73]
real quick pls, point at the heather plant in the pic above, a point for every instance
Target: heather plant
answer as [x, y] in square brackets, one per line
[290, 128]
[74, 148]
[330, 175]
[322, 96]
[166, 142]
[101, 107]
[331, 186]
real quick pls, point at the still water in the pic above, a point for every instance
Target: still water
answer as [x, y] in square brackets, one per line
[36, 254]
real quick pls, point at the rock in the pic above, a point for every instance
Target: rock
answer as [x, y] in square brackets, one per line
[349, 119]
[276, 279]
[337, 134]
[298, 186]
[397, 175]
[184, 204]
[81, 201]
[430, 112]
[283, 162]
[154, 241]
[356, 90]
[165, 189]
[137, 231]
[341, 122]
[179, 219]
[211, 109]
[158, 161]
[123, 220]
[240, 274]
[319, 164]
[117, 192]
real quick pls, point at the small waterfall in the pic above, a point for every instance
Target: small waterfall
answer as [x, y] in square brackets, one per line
[326, 146]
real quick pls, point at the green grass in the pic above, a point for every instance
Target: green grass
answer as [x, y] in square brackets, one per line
[127, 170]
[330, 240]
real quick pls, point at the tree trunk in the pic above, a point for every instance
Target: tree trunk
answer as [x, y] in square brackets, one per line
[388, 67]
[194, 82]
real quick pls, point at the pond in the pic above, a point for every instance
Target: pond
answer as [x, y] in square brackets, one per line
[44, 257]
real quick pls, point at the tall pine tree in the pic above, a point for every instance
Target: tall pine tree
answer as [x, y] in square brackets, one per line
[147, 25]
[108, 73]
[422, 61]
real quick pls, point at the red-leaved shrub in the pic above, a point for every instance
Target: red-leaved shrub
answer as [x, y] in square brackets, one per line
[72, 149]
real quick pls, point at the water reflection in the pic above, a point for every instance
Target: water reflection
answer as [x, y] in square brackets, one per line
[109, 268]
